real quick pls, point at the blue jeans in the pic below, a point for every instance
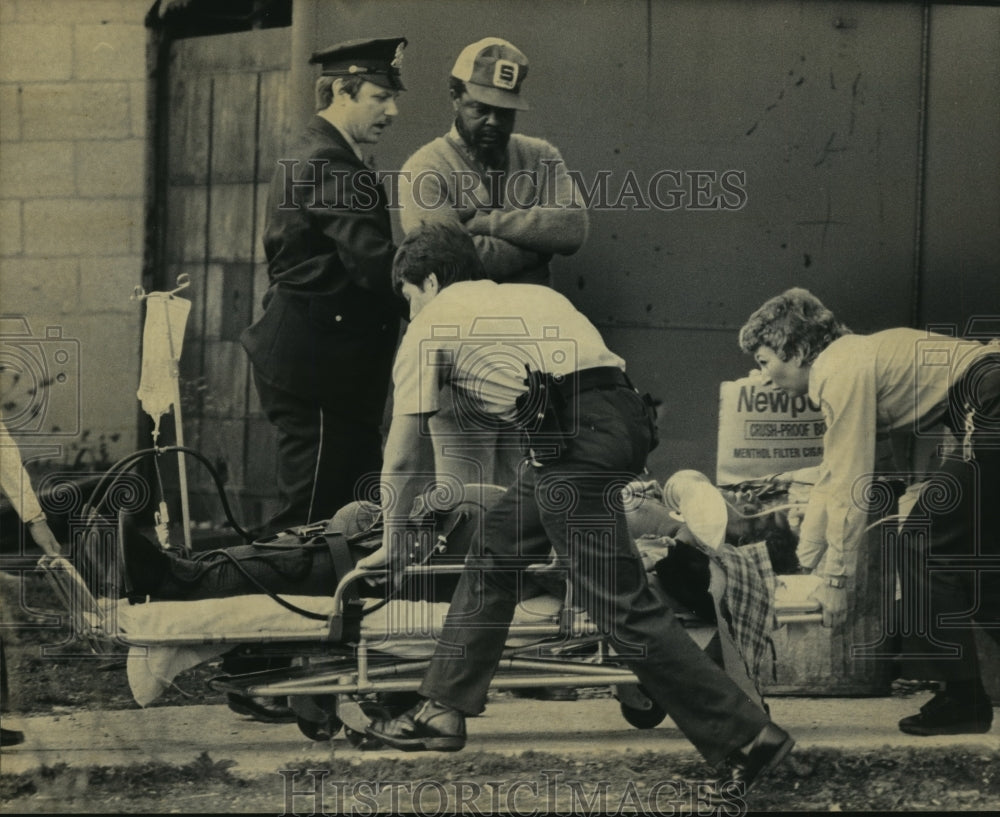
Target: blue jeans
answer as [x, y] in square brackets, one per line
[572, 504]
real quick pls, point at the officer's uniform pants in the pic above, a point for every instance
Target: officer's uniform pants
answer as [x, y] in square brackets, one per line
[327, 455]
[573, 505]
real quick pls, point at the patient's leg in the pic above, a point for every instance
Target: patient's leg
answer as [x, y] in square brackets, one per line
[240, 570]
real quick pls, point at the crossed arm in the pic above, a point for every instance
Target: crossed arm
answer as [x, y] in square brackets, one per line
[542, 214]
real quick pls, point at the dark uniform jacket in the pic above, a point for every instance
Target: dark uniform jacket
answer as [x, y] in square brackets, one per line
[331, 319]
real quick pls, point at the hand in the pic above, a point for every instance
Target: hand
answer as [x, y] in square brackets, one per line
[553, 565]
[834, 603]
[479, 224]
[391, 553]
[653, 548]
[379, 558]
[44, 538]
[649, 489]
[374, 561]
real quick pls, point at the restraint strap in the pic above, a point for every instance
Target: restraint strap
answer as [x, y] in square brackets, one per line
[343, 562]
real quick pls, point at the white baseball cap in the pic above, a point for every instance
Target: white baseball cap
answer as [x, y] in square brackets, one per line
[493, 70]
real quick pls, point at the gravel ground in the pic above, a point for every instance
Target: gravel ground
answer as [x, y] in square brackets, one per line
[532, 783]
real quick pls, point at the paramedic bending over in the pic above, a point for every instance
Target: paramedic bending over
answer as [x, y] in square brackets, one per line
[898, 379]
[570, 481]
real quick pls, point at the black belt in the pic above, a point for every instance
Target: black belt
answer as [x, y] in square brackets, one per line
[599, 377]
[544, 415]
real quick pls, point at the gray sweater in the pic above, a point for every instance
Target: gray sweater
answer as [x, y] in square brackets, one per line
[519, 216]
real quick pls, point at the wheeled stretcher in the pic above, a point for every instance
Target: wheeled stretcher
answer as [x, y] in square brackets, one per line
[345, 659]
[351, 661]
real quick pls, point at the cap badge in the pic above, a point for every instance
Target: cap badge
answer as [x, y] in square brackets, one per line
[505, 74]
[397, 60]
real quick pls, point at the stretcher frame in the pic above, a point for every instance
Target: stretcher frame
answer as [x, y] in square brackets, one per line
[340, 679]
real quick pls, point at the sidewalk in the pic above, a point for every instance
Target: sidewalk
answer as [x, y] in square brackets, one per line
[180, 734]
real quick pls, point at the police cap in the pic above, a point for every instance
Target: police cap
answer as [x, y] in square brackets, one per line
[375, 60]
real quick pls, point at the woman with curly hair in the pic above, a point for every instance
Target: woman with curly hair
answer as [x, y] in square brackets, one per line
[927, 384]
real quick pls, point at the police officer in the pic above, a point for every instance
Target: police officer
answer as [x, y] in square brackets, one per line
[322, 349]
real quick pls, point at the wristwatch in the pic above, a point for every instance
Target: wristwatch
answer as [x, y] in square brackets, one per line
[837, 581]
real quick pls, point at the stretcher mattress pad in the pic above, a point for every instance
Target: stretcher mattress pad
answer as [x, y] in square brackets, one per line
[168, 637]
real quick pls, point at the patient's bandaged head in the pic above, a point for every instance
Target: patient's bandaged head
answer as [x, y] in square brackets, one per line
[692, 496]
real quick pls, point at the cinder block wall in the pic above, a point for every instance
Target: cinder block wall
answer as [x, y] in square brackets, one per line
[72, 186]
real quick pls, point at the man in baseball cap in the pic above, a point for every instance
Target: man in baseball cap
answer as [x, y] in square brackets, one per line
[486, 85]
[512, 193]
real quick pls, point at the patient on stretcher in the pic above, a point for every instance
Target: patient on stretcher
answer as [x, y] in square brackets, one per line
[304, 561]
[289, 563]
[671, 538]
[310, 561]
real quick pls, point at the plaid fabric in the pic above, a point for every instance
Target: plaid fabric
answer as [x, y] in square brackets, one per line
[747, 605]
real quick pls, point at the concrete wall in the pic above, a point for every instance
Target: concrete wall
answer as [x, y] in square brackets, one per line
[892, 218]
[960, 240]
[72, 187]
[866, 132]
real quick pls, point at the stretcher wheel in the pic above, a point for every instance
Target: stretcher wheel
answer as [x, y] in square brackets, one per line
[638, 708]
[362, 740]
[643, 718]
[320, 730]
[316, 716]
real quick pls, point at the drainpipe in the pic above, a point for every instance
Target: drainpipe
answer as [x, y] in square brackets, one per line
[916, 305]
[305, 19]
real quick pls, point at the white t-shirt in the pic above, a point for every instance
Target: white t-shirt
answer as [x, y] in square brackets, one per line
[897, 379]
[479, 336]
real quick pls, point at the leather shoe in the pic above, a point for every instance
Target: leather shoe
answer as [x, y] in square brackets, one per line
[747, 765]
[944, 715]
[427, 726]
[11, 737]
[144, 563]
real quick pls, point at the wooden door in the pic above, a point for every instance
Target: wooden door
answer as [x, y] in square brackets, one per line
[223, 122]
